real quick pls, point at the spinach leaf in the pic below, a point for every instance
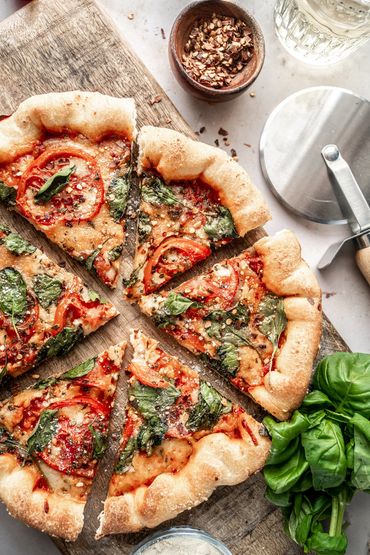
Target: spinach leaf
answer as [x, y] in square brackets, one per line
[360, 477]
[324, 544]
[125, 457]
[54, 185]
[44, 432]
[150, 434]
[117, 195]
[325, 453]
[300, 520]
[3, 371]
[221, 226]
[100, 442]
[316, 399]
[61, 343]
[15, 244]
[144, 226]
[90, 260]
[345, 378]
[229, 359]
[13, 294]
[282, 477]
[80, 370]
[47, 289]
[43, 384]
[154, 191]
[273, 320]
[210, 407]
[10, 445]
[282, 433]
[8, 195]
[94, 296]
[230, 326]
[278, 499]
[115, 253]
[174, 305]
[150, 401]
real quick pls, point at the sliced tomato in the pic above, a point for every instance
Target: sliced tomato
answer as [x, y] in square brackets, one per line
[188, 252]
[128, 430]
[190, 339]
[147, 375]
[80, 200]
[220, 286]
[23, 330]
[71, 450]
[72, 307]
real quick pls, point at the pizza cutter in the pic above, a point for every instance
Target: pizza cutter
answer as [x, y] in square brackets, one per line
[315, 124]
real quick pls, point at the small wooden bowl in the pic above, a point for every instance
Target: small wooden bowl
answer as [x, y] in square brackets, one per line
[179, 35]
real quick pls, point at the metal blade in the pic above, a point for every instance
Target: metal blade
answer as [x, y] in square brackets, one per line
[349, 195]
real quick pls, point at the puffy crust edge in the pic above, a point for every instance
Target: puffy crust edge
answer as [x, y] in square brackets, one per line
[64, 516]
[286, 274]
[91, 113]
[175, 156]
[217, 460]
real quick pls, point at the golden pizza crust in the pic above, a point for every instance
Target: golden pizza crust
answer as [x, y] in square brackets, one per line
[89, 113]
[216, 461]
[286, 274]
[176, 157]
[58, 515]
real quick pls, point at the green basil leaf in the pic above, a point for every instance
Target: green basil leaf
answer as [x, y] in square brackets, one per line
[325, 453]
[100, 442]
[13, 294]
[360, 477]
[80, 370]
[154, 191]
[54, 185]
[144, 226]
[282, 433]
[345, 378]
[229, 358]
[210, 407]
[125, 457]
[282, 477]
[151, 433]
[47, 289]
[316, 399]
[150, 401]
[15, 244]
[221, 226]
[44, 432]
[8, 195]
[115, 253]
[324, 544]
[117, 196]
[61, 343]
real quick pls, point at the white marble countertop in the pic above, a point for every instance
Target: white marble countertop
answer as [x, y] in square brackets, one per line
[346, 295]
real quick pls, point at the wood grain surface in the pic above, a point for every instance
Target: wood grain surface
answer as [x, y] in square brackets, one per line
[72, 44]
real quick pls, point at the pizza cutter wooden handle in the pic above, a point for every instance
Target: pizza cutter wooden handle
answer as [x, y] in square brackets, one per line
[363, 262]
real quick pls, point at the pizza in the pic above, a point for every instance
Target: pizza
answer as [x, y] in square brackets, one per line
[65, 167]
[51, 439]
[181, 440]
[44, 310]
[194, 198]
[256, 318]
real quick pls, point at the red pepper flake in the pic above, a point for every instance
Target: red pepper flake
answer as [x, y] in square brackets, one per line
[46, 506]
[223, 132]
[202, 129]
[163, 34]
[217, 142]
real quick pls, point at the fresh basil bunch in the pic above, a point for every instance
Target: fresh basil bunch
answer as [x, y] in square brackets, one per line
[321, 456]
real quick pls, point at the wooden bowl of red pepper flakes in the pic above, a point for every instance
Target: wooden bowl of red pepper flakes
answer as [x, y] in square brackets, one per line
[216, 50]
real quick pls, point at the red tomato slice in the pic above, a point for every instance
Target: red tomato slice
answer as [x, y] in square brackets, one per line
[128, 430]
[147, 376]
[71, 307]
[81, 200]
[71, 450]
[189, 252]
[24, 329]
[189, 338]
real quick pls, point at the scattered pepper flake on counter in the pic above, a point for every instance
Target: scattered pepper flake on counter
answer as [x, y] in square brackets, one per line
[223, 132]
[163, 34]
[217, 49]
[202, 129]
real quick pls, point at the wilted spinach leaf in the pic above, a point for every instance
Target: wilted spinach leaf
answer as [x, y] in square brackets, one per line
[80, 370]
[220, 226]
[15, 244]
[144, 226]
[8, 195]
[54, 185]
[117, 195]
[115, 253]
[47, 289]
[13, 294]
[154, 191]
[125, 457]
[174, 305]
[100, 442]
[229, 358]
[207, 412]
[44, 432]
[273, 320]
[61, 343]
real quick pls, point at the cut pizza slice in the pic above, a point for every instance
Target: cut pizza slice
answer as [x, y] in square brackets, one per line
[65, 167]
[194, 198]
[256, 318]
[44, 310]
[51, 439]
[181, 440]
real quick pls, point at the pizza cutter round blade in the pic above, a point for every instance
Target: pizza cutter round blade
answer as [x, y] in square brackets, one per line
[291, 144]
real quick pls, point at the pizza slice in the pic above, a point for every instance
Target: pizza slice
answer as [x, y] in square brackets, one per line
[51, 439]
[256, 318]
[44, 310]
[181, 440]
[65, 167]
[194, 198]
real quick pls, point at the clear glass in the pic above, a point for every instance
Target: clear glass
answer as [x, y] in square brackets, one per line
[322, 31]
[186, 531]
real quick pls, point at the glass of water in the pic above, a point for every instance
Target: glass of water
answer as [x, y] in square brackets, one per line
[322, 31]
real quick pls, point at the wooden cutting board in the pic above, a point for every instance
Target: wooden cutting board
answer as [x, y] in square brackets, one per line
[72, 44]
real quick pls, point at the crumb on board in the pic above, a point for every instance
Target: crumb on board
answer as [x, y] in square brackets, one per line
[252, 94]
[329, 294]
[217, 142]
[155, 99]
[163, 34]
[223, 132]
[247, 145]
[130, 16]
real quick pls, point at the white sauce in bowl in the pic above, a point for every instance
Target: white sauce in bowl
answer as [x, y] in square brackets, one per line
[181, 545]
